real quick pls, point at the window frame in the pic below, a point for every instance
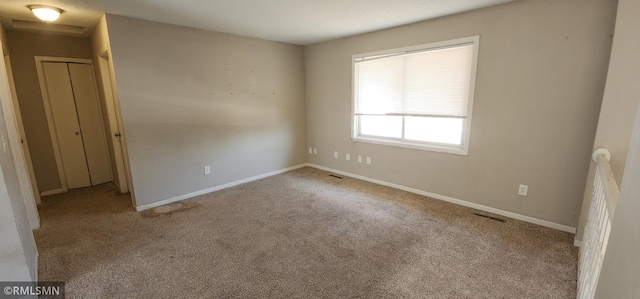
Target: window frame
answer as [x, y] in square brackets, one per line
[420, 145]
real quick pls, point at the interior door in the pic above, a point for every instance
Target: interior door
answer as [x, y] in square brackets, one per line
[119, 177]
[67, 125]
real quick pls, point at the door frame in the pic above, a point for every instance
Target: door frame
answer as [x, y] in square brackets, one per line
[115, 120]
[48, 111]
[20, 126]
[13, 121]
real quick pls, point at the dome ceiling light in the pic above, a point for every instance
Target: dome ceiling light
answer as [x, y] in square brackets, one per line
[45, 13]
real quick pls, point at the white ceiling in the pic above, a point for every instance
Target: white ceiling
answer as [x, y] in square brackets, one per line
[300, 22]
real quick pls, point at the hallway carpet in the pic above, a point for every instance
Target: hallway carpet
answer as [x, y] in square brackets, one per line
[301, 234]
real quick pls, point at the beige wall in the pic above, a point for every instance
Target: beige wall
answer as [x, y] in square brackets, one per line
[99, 42]
[24, 46]
[620, 101]
[18, 251]
[191, 98]
[620, 276]
[621, 96]
[540, 79]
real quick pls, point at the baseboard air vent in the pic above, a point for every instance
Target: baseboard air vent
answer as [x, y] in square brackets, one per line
[489, 217]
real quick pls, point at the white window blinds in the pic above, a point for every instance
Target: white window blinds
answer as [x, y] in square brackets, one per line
[434, 82]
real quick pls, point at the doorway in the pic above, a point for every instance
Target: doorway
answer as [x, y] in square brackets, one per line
[114, 125]
[17, 141]
[75, 122]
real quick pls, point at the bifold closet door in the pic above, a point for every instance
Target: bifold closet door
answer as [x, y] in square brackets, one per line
[95, 147]
[78, 125]
[63, 108]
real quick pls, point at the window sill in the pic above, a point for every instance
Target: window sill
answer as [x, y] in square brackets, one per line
[424, 147]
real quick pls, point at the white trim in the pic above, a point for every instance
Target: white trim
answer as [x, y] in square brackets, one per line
[26, 152]
[52, 192]
[48, 111]
[104, 65]
[462, 149]
[120, 123]
[36, 264]
[476, 206]
[52, 129]
[422, 47]
[13, 124]
[577, 243]
[216, 188]
[63, 59]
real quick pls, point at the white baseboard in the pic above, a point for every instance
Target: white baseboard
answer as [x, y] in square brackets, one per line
[216, 188]
[36, 265]
[51, 192]
[476, 206]
[117, 184]
[577, 243]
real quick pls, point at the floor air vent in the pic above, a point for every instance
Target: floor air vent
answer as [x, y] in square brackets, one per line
[335, 176]
[489, 217]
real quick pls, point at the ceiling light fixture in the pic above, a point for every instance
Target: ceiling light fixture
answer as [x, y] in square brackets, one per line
[46, 13]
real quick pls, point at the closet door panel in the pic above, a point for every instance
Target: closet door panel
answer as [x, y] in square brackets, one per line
[67, 128]
[90, 118]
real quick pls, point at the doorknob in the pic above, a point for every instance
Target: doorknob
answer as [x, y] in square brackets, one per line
[77, 133]
[117, 134]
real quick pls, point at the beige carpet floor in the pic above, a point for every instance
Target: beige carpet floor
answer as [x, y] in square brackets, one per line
[301, 234]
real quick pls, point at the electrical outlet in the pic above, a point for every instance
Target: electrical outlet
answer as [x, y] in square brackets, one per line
[315, 151]
[335, 155]
[347, 157]
[359, 159]
[207, 169]
[523, 190]
[368, 160]
[310, 150]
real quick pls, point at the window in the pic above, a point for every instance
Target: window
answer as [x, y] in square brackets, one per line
[417, 97]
